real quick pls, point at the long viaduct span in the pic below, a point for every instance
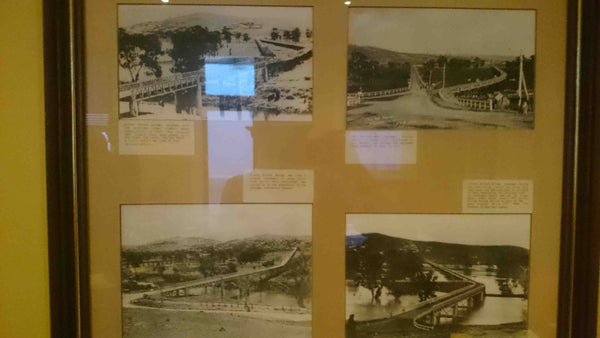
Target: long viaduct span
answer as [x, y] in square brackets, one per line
[242, 279]
[426, 315]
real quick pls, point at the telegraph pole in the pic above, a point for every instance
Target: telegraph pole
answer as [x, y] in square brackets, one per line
[520, 77]
[444, 77]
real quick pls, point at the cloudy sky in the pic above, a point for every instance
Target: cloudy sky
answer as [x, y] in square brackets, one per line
[133, 14]
[444, 31]
[462, 229]
[141, 224]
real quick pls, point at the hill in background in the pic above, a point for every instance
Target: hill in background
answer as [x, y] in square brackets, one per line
[264, 242]
[383, 56]
[443, 253]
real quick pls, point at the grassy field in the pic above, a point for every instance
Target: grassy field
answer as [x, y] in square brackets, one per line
[154, 323]
[458, 76]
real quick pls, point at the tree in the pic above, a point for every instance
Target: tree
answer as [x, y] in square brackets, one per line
[246, 37]
[467, 261]
[295, 35]
[190, 46]
[370, 272]
[250, 255]
[238, 36]
[402, 265]
[139, 51]
[274, 34]
[226, 34]
[299, 278]
[427, 285]
[308, 33]
[287, 35]
[459, 63]
[232, 267]
[442, 60]
[207, 266]
[478, 63]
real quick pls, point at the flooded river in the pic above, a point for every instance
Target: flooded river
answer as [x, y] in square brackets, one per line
[495, 310]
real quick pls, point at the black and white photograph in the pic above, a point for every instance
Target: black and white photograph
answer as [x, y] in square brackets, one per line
[202, 62]
[216, 270]
[440, 68]
[436, 275]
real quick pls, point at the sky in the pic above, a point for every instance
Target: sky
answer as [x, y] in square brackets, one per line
[444, 31]
[141, 224]
[457, 228]
[134, 14]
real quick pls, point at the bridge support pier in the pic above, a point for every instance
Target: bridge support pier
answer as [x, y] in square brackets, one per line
[222, 291]
[134, 106]
[175, 102]
[199, 97]
[240, 287]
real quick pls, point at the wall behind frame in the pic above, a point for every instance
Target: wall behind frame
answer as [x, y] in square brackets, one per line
[437, 178]
[24, 295]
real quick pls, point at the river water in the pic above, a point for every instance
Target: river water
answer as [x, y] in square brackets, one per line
[495, 310]
[263, 297]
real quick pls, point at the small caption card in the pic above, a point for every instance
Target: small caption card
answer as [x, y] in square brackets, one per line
[498, 196]
[278, 185]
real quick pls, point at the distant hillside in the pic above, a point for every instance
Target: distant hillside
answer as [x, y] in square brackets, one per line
[265, 242]
[379, 242]
[210, 20]
[214, 22]
[174, 244]
[384, 56]
[446, 253]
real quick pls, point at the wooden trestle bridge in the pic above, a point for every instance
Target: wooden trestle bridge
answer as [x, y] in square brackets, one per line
[145, 90]
[241, 279]
[265, 67]
[467, 295]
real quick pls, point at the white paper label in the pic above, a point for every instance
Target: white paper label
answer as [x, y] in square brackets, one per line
[278, 185]
[152, 137]
[381, 147]
[497, 196]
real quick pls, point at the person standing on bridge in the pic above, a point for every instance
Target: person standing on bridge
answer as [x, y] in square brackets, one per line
[524, 108]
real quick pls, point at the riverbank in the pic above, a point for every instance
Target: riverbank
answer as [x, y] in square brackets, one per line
[513, 330]
[155, 323]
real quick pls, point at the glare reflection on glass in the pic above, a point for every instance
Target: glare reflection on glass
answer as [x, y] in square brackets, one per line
[229, 144]
[107, 140]
[232, 78]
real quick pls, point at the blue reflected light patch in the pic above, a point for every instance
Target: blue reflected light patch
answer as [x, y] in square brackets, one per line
[228, 79]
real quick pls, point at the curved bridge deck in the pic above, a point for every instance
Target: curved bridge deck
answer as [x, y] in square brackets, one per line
[426, 315]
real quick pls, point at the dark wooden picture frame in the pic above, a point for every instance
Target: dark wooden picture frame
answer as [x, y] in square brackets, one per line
[66, 171]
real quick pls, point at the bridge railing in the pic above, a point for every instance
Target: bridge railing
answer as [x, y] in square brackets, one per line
[447, 94]
[230, 276]
[353, 99]
[174, 77]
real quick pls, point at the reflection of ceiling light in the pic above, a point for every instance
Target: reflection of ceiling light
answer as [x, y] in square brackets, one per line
[345, 2]
[165, 1]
